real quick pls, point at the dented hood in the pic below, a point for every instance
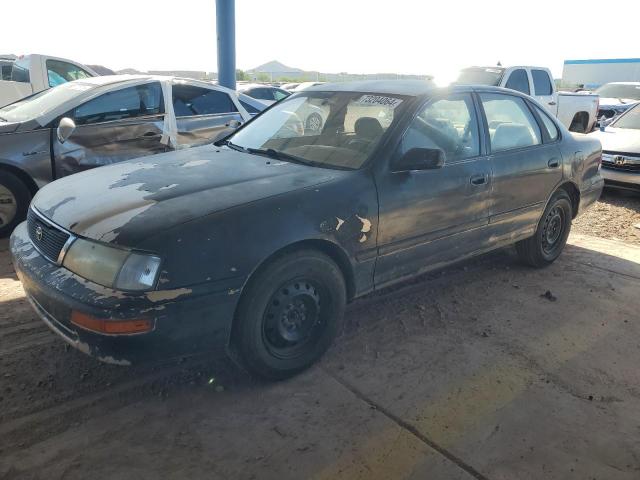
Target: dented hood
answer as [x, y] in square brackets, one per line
[127, 202]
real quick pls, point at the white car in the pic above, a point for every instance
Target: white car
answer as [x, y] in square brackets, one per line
[621, 150]
[304, 85]
[34, 73]
[576, 111]
[616, 98]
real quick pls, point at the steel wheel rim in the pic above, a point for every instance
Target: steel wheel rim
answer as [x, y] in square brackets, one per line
[292, 319]
[8, 206]
[553, 229]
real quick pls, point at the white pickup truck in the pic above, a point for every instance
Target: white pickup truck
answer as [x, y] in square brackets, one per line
[576, 111]
[33, 73]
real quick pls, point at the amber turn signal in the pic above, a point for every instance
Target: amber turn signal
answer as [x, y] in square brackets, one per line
[110, 327]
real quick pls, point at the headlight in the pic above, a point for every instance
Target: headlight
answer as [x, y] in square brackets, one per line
[112, 267]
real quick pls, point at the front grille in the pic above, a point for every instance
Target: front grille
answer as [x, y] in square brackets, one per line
[47, 238]
[620, 161]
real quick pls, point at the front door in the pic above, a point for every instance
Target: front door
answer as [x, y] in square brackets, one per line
[113, 127]
[525, 161]
[430, 217]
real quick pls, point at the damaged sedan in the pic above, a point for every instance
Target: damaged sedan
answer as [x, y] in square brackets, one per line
[102, 120]
[256, 244]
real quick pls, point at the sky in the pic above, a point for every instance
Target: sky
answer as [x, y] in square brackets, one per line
[355, 36]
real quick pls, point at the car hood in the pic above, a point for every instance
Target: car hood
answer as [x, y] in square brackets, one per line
[617, 102]
[127, 202]
[626, 140]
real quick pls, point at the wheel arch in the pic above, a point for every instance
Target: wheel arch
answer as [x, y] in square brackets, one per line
[582, 118]
[574, 194]
[22, 175]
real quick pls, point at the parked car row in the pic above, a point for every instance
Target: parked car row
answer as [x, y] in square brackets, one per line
[577, 111]
[257, 242]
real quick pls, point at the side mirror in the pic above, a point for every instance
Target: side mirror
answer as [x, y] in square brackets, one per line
[65, 129]
[420, 159]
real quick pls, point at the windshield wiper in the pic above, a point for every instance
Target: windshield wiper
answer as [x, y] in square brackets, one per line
[278, 155]
[233, 146]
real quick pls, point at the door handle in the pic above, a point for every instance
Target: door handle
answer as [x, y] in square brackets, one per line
[552, 103]
[479, 179]
[553, 163]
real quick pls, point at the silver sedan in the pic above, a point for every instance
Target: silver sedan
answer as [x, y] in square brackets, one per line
[621, 151]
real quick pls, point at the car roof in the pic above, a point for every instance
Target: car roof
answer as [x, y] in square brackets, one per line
[622, 83]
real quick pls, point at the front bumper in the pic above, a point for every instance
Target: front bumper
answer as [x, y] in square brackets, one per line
[621, 179]
[186, 320]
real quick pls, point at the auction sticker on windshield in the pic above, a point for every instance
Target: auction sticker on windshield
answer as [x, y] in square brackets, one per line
[380, 100]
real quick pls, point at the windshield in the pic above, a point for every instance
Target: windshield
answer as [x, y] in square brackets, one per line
[326, 129]
[613, 90]
[480, 76]
[631, 119]
[36, 105]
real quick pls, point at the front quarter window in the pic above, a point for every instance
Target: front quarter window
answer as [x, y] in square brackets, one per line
[326, 129]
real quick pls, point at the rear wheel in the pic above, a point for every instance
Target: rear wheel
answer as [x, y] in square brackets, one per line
[14, 201]
[551, 234]
[289, 314]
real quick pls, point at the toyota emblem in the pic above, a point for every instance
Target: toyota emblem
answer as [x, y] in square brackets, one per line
[39, 233]
[619, 160]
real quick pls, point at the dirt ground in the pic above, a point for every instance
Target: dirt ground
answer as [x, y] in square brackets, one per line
[488, 370]
[616, 216]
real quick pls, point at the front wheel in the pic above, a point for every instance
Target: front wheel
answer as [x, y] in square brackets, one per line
[289, 314]
[551, 234]
[314, 122]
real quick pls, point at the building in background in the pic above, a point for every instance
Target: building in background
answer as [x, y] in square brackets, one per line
[596, 72]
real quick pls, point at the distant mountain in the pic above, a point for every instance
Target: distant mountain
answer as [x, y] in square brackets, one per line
[275, 67]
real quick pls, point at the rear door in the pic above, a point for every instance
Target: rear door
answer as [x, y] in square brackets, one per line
[525, 160]
[202, 113]
[543, 90]
[428, 217]
[115, 126]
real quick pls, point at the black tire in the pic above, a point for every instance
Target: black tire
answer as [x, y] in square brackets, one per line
[21, 198]
[551, 234]
[301, 294]
[314, 122]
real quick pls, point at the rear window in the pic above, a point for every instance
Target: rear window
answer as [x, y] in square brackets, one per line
[20, 71]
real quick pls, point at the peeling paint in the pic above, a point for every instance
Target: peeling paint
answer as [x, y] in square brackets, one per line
[160, 295]
[366, 224]
[195, 163]
[233, 291]
[340, 222]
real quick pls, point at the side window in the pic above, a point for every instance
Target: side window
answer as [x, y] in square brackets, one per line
[189, 100]
[449, 124]
[261, 94]
[128, 102]
[280, 94]
[59, 72]
[549, 126]
[511, 123]
[541, 82]
[249, 108]
[519, 81]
